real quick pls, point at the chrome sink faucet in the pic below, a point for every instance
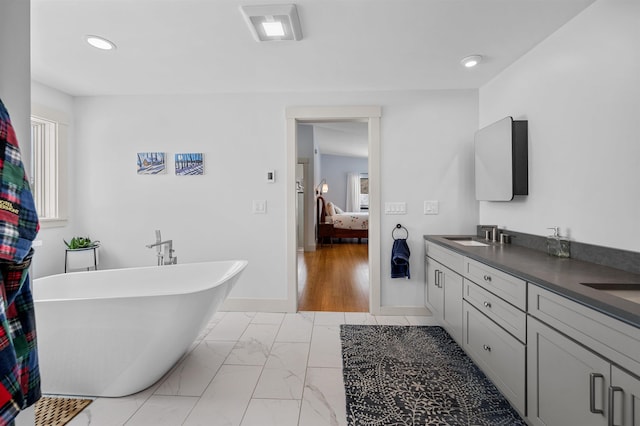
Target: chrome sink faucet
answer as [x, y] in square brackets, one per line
[491, 232]
[164, 250]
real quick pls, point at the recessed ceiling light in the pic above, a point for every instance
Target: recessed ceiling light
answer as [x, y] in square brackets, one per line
[100, 42]
[471, 61]
[273, 22]
[273, 29]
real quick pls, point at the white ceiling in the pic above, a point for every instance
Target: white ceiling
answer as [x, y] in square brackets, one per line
[346, 138]
[204, 46]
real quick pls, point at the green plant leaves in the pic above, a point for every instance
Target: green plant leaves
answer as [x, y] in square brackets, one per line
[81, 243]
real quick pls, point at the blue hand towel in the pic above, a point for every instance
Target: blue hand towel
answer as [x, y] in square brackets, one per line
[400, 259]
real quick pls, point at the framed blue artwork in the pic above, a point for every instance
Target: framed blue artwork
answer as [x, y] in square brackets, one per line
[189, 164]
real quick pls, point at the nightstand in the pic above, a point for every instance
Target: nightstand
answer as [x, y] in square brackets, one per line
[325, 230]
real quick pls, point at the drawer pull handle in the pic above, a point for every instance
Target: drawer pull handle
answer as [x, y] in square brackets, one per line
[487, 305]
[612, 393]
[487, 278]
[486, 348]
[592, 393]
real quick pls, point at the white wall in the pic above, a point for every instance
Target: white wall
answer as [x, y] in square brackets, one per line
[427, 154]
[335, 169]
[580, 91]
[426, 147]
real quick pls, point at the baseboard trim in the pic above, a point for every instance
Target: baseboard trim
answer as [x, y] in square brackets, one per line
[283, 305]
[404, 310]
[255, 305]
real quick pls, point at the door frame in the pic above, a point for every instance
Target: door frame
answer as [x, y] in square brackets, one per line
[372, 116]
[308, 231]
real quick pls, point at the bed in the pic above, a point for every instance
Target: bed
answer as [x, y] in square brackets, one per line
[335, 223]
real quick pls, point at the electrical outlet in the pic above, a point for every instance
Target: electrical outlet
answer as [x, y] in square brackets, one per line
[431, 207]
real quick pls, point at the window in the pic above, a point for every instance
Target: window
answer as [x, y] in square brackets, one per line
[48, 183]
[364, 191]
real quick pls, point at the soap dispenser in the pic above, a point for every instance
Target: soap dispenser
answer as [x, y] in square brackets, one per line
[557, 245]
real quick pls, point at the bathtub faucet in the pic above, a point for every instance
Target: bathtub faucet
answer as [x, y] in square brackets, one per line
[164, 250]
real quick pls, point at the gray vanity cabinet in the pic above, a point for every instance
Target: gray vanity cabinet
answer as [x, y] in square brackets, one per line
[557, 361]
[477, 319]
[494, 328]
[513, 290]
[567, 383]
[434, 293]
[443, 292]
[580, 364]
[624, 398]
[444, 297]
[498, 354]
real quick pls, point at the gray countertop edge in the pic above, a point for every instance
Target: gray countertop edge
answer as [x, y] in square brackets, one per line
[610, 305]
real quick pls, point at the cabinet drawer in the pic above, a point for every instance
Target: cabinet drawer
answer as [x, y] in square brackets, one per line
[500, 355]
[508, 287]
[505, 315]
[613, 339]
[448, 258]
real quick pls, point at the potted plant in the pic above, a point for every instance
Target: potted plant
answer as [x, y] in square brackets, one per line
[81, 253]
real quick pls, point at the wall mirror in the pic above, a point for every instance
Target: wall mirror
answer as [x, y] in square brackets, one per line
[501, 160]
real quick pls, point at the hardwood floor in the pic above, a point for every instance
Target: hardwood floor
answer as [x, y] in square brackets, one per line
[334, 278]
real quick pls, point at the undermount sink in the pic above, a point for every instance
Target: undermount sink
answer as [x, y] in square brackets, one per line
[466, 241]
[626, 291]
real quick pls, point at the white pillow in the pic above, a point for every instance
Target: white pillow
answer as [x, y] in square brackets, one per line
[337, 209]
[329, 209]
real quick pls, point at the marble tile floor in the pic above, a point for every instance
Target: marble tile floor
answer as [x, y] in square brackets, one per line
[249, 369]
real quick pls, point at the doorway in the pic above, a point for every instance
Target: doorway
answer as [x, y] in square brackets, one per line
[334, 274]
[367, 114]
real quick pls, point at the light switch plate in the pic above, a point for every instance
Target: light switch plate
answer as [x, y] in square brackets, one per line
[395, 208]
[259, 207]
[431, 207]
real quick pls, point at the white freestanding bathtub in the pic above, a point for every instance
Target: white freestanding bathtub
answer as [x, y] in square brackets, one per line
[116, 332]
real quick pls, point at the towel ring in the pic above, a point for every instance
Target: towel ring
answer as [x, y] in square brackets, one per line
[398, 226]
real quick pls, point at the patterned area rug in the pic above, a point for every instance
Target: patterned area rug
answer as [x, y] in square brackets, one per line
[397, 375]
[58, 411]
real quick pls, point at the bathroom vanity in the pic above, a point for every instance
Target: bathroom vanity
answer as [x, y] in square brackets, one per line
[559, 337]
